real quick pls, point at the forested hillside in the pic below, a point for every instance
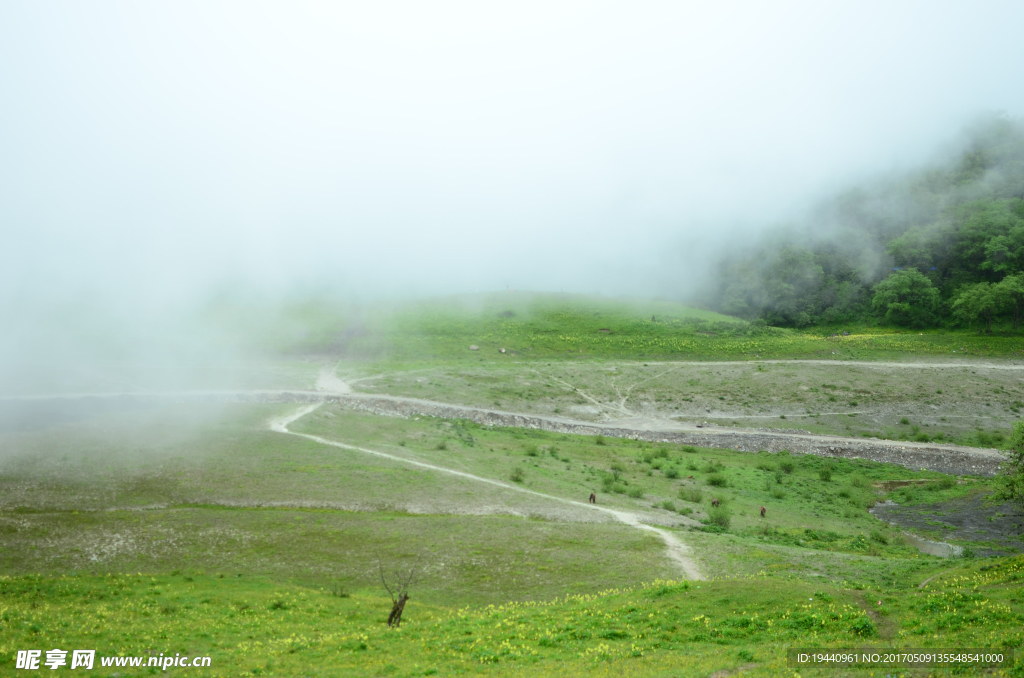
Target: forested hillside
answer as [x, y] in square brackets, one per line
[943, 246]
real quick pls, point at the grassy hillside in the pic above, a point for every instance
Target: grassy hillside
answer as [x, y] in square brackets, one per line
[549, 326]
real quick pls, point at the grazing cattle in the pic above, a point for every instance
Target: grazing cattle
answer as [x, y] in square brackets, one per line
[763, 510]
[689, 477]
[593, 498]
[714, 502]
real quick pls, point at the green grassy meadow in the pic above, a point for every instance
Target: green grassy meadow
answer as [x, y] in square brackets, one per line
[540, 325]
[261, 550]
[187, 526]
[252, 627]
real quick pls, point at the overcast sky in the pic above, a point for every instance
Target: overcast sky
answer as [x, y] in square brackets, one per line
[150, 150]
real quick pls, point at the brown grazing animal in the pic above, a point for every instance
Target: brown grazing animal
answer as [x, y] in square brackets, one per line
[714, 502]
[593, 498]
[763, 509]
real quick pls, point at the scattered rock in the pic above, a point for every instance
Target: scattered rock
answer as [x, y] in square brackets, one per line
[947, 459]
[501, 350]
[474, 347]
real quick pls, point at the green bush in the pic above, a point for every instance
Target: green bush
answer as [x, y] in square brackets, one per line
[517, 475]
[691, 494]
[863, 627]
[532, 451]
[719, 516]
[668, 505]
[636, 492]
[672, 472]
[825, 473]
[879, 537]
[943, 484]
[778, 493]
[689, 449]
[599, 440]
[786, 466]
[717, 480]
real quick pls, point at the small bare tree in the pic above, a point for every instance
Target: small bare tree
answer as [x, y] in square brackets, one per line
[397, 585]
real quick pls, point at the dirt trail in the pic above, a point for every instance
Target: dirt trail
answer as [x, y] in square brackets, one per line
[855, 363]
[677, 550]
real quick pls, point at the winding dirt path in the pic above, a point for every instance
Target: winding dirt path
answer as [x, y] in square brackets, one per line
[679, 552]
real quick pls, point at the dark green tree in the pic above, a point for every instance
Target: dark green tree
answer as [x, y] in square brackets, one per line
[1012, 288]
[980, 302]
[1012, 471]
[906, 298]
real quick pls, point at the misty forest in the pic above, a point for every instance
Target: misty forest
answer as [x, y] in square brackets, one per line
[941, 247]
[389, 340]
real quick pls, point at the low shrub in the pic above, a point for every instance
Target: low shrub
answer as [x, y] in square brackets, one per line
[717, 480]
[672, 472]
[720, 517]
[517, 475]
[863, 627]
[691, 494]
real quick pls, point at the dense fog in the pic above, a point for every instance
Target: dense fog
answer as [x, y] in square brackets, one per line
[157, 155]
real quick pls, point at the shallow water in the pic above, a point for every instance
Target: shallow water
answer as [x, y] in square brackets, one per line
[933, 548]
